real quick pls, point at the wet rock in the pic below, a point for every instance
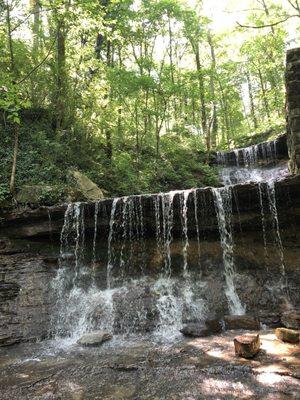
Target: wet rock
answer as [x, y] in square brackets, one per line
[51, 260]
[291, 319]
[68, 257]
[271, 320]
[214, 325]
[195, 329]
[4, 244]
[287, 335]
[8, 290]
[246, 346]
[135, 310]
[94, 338]
[241, 322]
[26, 303]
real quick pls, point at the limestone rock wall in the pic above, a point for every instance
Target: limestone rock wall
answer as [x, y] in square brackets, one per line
[25, 301]
[292, 77]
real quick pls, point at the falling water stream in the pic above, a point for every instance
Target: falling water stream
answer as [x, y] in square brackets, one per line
[126, 296]
[223, 203]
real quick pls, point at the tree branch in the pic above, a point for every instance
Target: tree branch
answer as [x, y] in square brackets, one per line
[267, 25]
[39, 64]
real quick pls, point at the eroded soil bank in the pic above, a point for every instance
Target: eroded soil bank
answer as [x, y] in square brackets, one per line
[144, 368]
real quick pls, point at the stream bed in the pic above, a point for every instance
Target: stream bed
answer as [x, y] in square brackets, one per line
[146, 367]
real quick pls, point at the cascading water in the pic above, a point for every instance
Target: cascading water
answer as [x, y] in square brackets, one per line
[197, 223]
[119, 293]
[183, 200]
[223, 204]
[257, 160]
[270, 188]
[167, 226]
[110, 259]
[95, 230]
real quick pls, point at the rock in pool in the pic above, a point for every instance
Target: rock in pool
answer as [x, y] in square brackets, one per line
[241, 322]
[287, 335]
[94, 338]
[291, 319]
[198, 329]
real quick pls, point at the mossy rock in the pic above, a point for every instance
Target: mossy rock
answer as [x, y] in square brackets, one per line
[83, 187]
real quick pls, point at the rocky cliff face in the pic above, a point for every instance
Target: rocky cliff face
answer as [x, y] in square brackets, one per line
[31, 242]
[26, 304]
[292, 77]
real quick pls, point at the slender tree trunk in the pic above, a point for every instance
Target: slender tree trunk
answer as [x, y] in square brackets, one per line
[61, 76]
[35, 9]
[251, 99]
[214, 130]
[61, 72]
[264, 94]
[9, 39]
[202, 97]
[15, 125]
[171, 58]
[225, 114]
[15, 157]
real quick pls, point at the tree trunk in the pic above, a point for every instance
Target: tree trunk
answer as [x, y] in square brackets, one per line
[61, 76]
[35, 9]
[9, 39]
[264, 94]
[252, 107]
[14, 163]
[202, 97]
[225, 114]
[16, 126]
[214, 129]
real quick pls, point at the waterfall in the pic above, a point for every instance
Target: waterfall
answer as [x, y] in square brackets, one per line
[263, 218]
[158, 225]
[197, 223]
[95, 232]
[267, 192]
[169, 307]
[184, 209]
[270, 186]
[167, 218]
[72, 302]
[137, 294]
[223, 204]
[236, 153]
[110, 260]
[249, 156]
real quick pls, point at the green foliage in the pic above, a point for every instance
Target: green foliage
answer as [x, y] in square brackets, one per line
[126, 91]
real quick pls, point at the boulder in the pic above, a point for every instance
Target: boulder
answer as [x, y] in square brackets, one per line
[246, 346]
[214, 325]
[198, 329]
[287, 335]
[195, 330]
[94, 338]
[291, 319]
[87, 189]
[246, 322]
